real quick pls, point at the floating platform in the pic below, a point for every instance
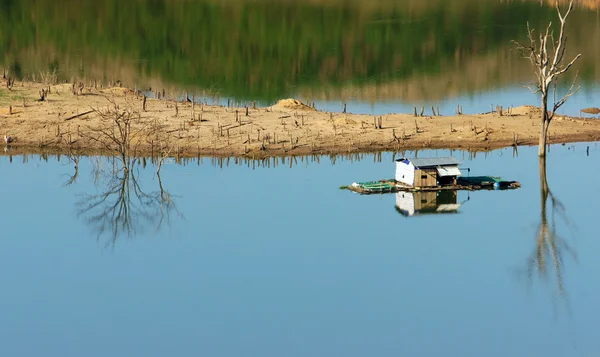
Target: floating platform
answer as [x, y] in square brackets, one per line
[472, 183]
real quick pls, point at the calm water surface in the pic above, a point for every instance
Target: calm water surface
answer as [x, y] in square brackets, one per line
[277, 261]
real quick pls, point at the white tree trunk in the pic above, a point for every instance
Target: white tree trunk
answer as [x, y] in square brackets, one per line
[545, 124]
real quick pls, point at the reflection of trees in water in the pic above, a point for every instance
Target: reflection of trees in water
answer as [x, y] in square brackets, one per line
[550, 249]
[74, 160]
[463, 33]
[122, 205]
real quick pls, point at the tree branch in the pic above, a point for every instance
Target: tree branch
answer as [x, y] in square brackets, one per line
[572, 90]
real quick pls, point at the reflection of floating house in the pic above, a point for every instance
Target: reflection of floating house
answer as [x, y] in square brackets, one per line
[428, 172]
[413, 203]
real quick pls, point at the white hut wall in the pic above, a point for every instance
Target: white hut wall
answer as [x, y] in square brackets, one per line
[405, 173]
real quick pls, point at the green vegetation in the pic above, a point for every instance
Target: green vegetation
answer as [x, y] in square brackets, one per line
[7, 97]
[259, 50]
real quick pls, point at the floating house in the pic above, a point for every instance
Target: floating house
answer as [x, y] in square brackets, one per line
[428, 202]
[429, 172]
[431, 175]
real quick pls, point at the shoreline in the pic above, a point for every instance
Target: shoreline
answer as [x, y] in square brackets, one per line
[74, 119]
[15, 149]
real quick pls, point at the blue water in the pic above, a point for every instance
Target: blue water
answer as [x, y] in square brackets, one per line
[277, 261]
[473, 103]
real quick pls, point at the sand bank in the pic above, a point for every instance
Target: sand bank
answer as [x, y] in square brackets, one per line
[65, 121]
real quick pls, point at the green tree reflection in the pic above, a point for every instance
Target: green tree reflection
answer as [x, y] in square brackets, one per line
[265, 50]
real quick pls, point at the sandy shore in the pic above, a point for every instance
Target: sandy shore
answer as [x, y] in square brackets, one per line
[67, 122]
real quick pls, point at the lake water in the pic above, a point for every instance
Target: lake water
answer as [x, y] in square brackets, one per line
[378, 57]
[271, 260]
[236, 258]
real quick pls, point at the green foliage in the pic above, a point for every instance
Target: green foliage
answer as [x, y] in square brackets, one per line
[260, 50]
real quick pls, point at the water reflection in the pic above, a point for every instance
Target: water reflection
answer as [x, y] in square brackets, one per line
[122, 206]
[278, 161]
[550, 248]
[72, 178]
[417, 203]
[267, 50]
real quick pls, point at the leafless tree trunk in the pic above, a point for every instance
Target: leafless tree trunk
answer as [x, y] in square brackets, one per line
[548, 64]
[120, 130]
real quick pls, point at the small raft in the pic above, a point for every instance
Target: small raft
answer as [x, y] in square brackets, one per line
[487, 182]
[374, 187]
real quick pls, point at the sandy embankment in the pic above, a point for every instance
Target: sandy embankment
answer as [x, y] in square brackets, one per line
[287, 128]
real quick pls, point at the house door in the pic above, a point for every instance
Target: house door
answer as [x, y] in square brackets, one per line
[424, 180]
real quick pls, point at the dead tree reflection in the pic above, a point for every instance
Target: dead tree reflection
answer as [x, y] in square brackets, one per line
[122, 206]
[551, 248]
[73, 158]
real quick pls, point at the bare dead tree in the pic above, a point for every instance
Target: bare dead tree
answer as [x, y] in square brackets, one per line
[43, 94]
[120, 131]
[549, 66]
